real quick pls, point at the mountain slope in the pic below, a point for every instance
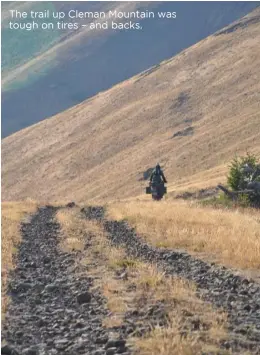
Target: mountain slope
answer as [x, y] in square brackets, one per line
[46, 72]
[191, 113]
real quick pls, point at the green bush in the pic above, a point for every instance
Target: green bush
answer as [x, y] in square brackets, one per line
[238, 178]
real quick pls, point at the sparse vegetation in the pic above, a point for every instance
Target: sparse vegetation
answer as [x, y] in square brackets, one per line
[221, 201]
[13, 213]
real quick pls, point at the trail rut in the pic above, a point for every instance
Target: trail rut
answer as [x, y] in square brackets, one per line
[238, 296]
[53, 309]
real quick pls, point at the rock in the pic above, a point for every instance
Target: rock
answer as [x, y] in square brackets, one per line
[30, 351]
[111, 351]
[120, 343]
[247, 308]
[121, 350]
[99, 352]
[79, 324]
[37, 301]
[196, 323]
[50, 288]
[116, 346]
[28, 265]
[124, 276]
[101, 340]
[24, 286]
[47, 260]
[8, 350]
[84, 297]
[50, 342]
[187, 313]
[111, 343]
[19, 333]
[71, 204]
[61, 343]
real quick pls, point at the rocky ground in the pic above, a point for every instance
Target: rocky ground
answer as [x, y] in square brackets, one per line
[53, 309]
[238, 296]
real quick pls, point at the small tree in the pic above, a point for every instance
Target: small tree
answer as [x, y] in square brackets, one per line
[238, 178]
[240, 174]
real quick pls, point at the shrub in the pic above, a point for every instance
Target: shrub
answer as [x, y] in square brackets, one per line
[238, 178]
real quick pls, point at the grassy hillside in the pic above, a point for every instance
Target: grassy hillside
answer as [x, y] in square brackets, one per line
[46, 72]
[192, 113]
[29, 55]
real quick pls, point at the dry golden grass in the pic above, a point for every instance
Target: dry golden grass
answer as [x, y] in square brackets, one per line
[13, 213]
[232, 236]
[115, 273]
[179, 299]
[168, 341]
[73, 232]
[98, 150]
[76, 231]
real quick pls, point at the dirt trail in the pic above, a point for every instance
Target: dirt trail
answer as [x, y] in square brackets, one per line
[238, 296]
[53, 309]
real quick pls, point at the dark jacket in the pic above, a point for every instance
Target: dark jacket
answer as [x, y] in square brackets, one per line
[157, 176]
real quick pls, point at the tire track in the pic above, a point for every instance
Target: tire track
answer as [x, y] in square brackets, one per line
[52, 309]
[238, 296]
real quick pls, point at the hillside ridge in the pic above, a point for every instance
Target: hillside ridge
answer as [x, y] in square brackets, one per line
[186, 113]
[45, 73]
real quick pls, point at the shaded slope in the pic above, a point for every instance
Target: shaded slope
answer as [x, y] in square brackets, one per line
[72, 66]
[100, 148]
